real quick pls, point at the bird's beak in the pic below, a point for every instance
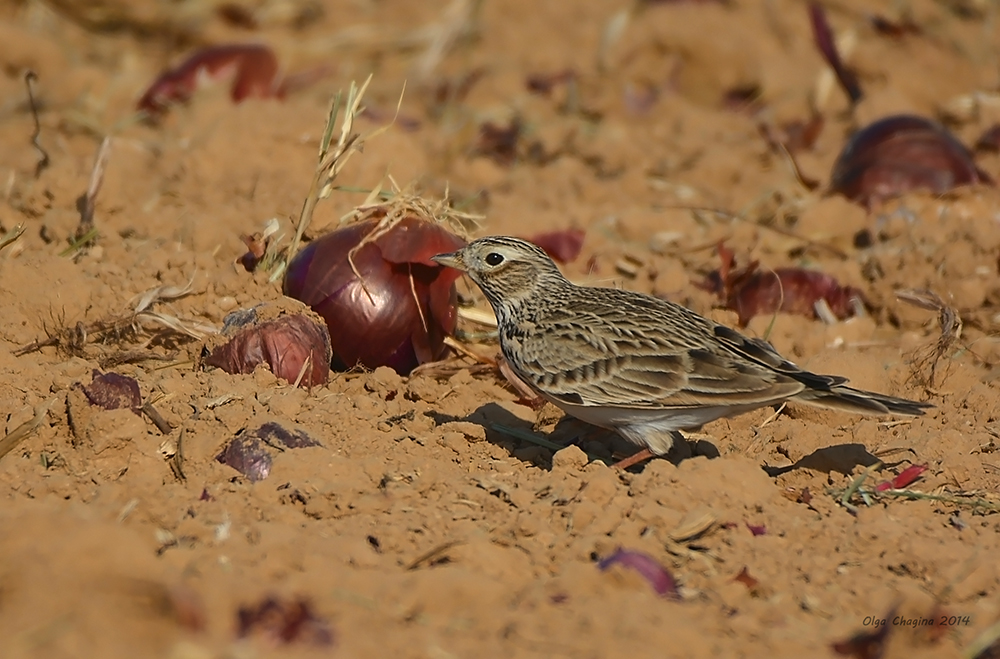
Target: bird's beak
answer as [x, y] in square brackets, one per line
[451, 260]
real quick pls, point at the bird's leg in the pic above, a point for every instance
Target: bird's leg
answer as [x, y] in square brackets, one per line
[634, 459]
[520, 386]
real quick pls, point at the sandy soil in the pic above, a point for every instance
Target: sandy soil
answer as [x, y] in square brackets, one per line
[417, 528]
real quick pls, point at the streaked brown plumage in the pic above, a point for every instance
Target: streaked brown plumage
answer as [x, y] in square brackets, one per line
[634, 363]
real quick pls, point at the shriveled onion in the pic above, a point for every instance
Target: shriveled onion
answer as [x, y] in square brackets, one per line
[901, 153]
[385, 302]
[292, 342]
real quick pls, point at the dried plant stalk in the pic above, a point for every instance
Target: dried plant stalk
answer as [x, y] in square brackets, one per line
[19, 434]
[926, 360]
[11, 236]
[120, 327]
[332, 159]
[89, 198]
[43, 155]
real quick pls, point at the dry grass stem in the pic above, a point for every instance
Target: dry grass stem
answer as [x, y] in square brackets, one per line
[730, 215]
[154, 415]
[73, 339]
[332, 157]
[43, 156]
[16, 436]
[458, 21]
[89, 199]
[483, 317]
[8, 238]
[464, 350]
[926, 360]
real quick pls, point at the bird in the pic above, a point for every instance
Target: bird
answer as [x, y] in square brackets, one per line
[632, 363]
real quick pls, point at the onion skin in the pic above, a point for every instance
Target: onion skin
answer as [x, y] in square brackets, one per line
[751, 292]
[563, 245]
[249, 452]
[254, 69]
[247, 455]
[900, 153]
[655, 574]
[379, 319]
[113, 391]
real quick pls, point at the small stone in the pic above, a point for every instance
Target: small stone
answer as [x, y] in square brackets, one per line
[571, 458]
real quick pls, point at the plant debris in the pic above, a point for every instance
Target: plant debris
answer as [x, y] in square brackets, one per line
[248, 455]
[950, 323]
[823, 37]
[499, 143]
[745, 578]
[902, 479]
[73, 339]
[43, 155]
[751, 292]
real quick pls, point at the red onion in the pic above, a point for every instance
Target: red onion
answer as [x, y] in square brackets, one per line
[901, 153]
[395, 306]
[290, 344]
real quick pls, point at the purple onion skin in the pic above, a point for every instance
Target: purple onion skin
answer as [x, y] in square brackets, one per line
[113, 391]
[654, 573]
[247, 455]
[900, 153]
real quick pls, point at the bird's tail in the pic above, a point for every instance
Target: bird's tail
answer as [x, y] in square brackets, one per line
[847, 399]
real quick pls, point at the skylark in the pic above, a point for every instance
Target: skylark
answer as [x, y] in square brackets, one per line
[633, 363]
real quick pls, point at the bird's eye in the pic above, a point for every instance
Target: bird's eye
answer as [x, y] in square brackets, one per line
[494, 259]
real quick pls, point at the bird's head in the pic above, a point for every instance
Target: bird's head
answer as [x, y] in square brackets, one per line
[508, 270]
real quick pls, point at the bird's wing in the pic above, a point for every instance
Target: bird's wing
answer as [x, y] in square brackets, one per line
[604, 360]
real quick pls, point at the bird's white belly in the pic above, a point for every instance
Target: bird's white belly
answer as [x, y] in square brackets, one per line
[652, 428]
